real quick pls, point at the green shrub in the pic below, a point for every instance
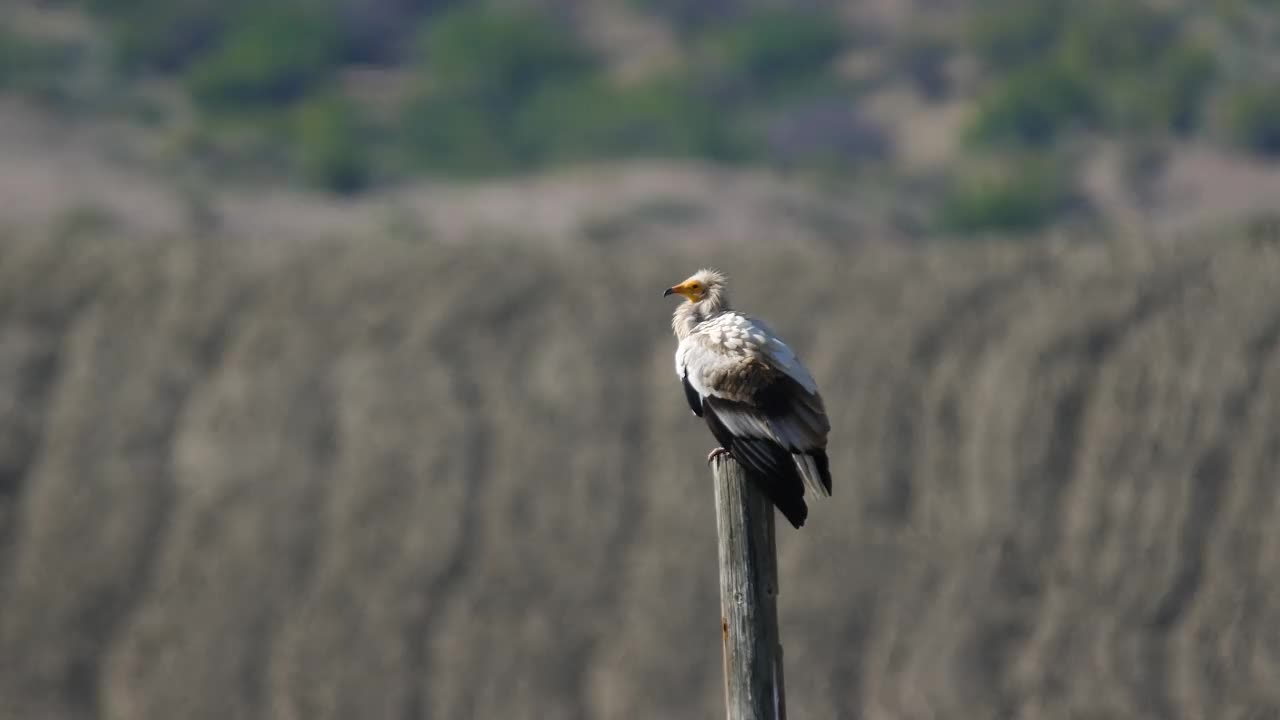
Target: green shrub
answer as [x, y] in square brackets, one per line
[499, 58]
[1020, 196]
[276, 56]
[1006, 33]
[329, 146]
[384, 32]
[457, 138]
[1113, 66]
[1115, 36]
[496, 90]
[1252, 119]
[34, 67]
[568, 123]
[664, 116]
[165, 35]
[689, 17]
[1034, 105]
[1149, 74]
[777, 50]
[1168, 95]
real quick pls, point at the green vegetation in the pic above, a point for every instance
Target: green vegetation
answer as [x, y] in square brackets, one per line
[507, 91]
[1101, 66]
[277, 56]
[481, 69]
[778, 51]
[330, 145]
[485, 88]
[594, 118]
[690, 17]
[1253, 119]
[1032, 106]
[1055, 71]
[1008, 33]
[164, 35]
[499, 59]
[33, 67]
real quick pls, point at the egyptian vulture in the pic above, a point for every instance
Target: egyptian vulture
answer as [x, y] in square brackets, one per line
[759, 401]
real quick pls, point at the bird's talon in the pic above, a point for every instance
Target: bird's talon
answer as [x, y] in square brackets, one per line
[715, 454]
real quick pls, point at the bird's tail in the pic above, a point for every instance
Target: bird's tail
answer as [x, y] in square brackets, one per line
[791, 505]
[816, 471]
[785, 494]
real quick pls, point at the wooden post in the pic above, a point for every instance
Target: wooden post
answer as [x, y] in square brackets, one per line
[748, 597]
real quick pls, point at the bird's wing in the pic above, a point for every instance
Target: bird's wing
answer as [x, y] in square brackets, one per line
[691, 395]
[758, 390]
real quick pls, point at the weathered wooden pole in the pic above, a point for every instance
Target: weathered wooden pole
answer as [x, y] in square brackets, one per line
[753, 683]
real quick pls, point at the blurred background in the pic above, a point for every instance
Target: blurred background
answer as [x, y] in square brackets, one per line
[335, 380]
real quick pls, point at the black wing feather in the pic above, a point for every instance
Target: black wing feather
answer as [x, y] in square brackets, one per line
[824, 467]
[785, 396]
[766, 463]
[695, 401]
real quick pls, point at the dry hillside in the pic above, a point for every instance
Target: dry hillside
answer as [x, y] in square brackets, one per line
[362, 480]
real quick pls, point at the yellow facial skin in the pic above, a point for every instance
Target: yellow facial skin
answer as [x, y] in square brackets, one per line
[691, 290]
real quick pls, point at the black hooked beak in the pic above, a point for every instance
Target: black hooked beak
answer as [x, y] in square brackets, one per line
[668, 292]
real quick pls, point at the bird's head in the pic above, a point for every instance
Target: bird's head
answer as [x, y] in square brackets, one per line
[700, 286]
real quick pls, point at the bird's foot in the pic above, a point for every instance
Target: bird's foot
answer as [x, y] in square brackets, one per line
[715, 454]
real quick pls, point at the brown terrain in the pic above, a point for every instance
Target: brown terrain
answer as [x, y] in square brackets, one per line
[379, 480]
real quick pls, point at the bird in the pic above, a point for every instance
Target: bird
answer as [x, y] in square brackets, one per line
[759, 401]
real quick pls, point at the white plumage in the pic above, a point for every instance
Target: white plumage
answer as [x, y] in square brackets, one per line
[758, 399]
